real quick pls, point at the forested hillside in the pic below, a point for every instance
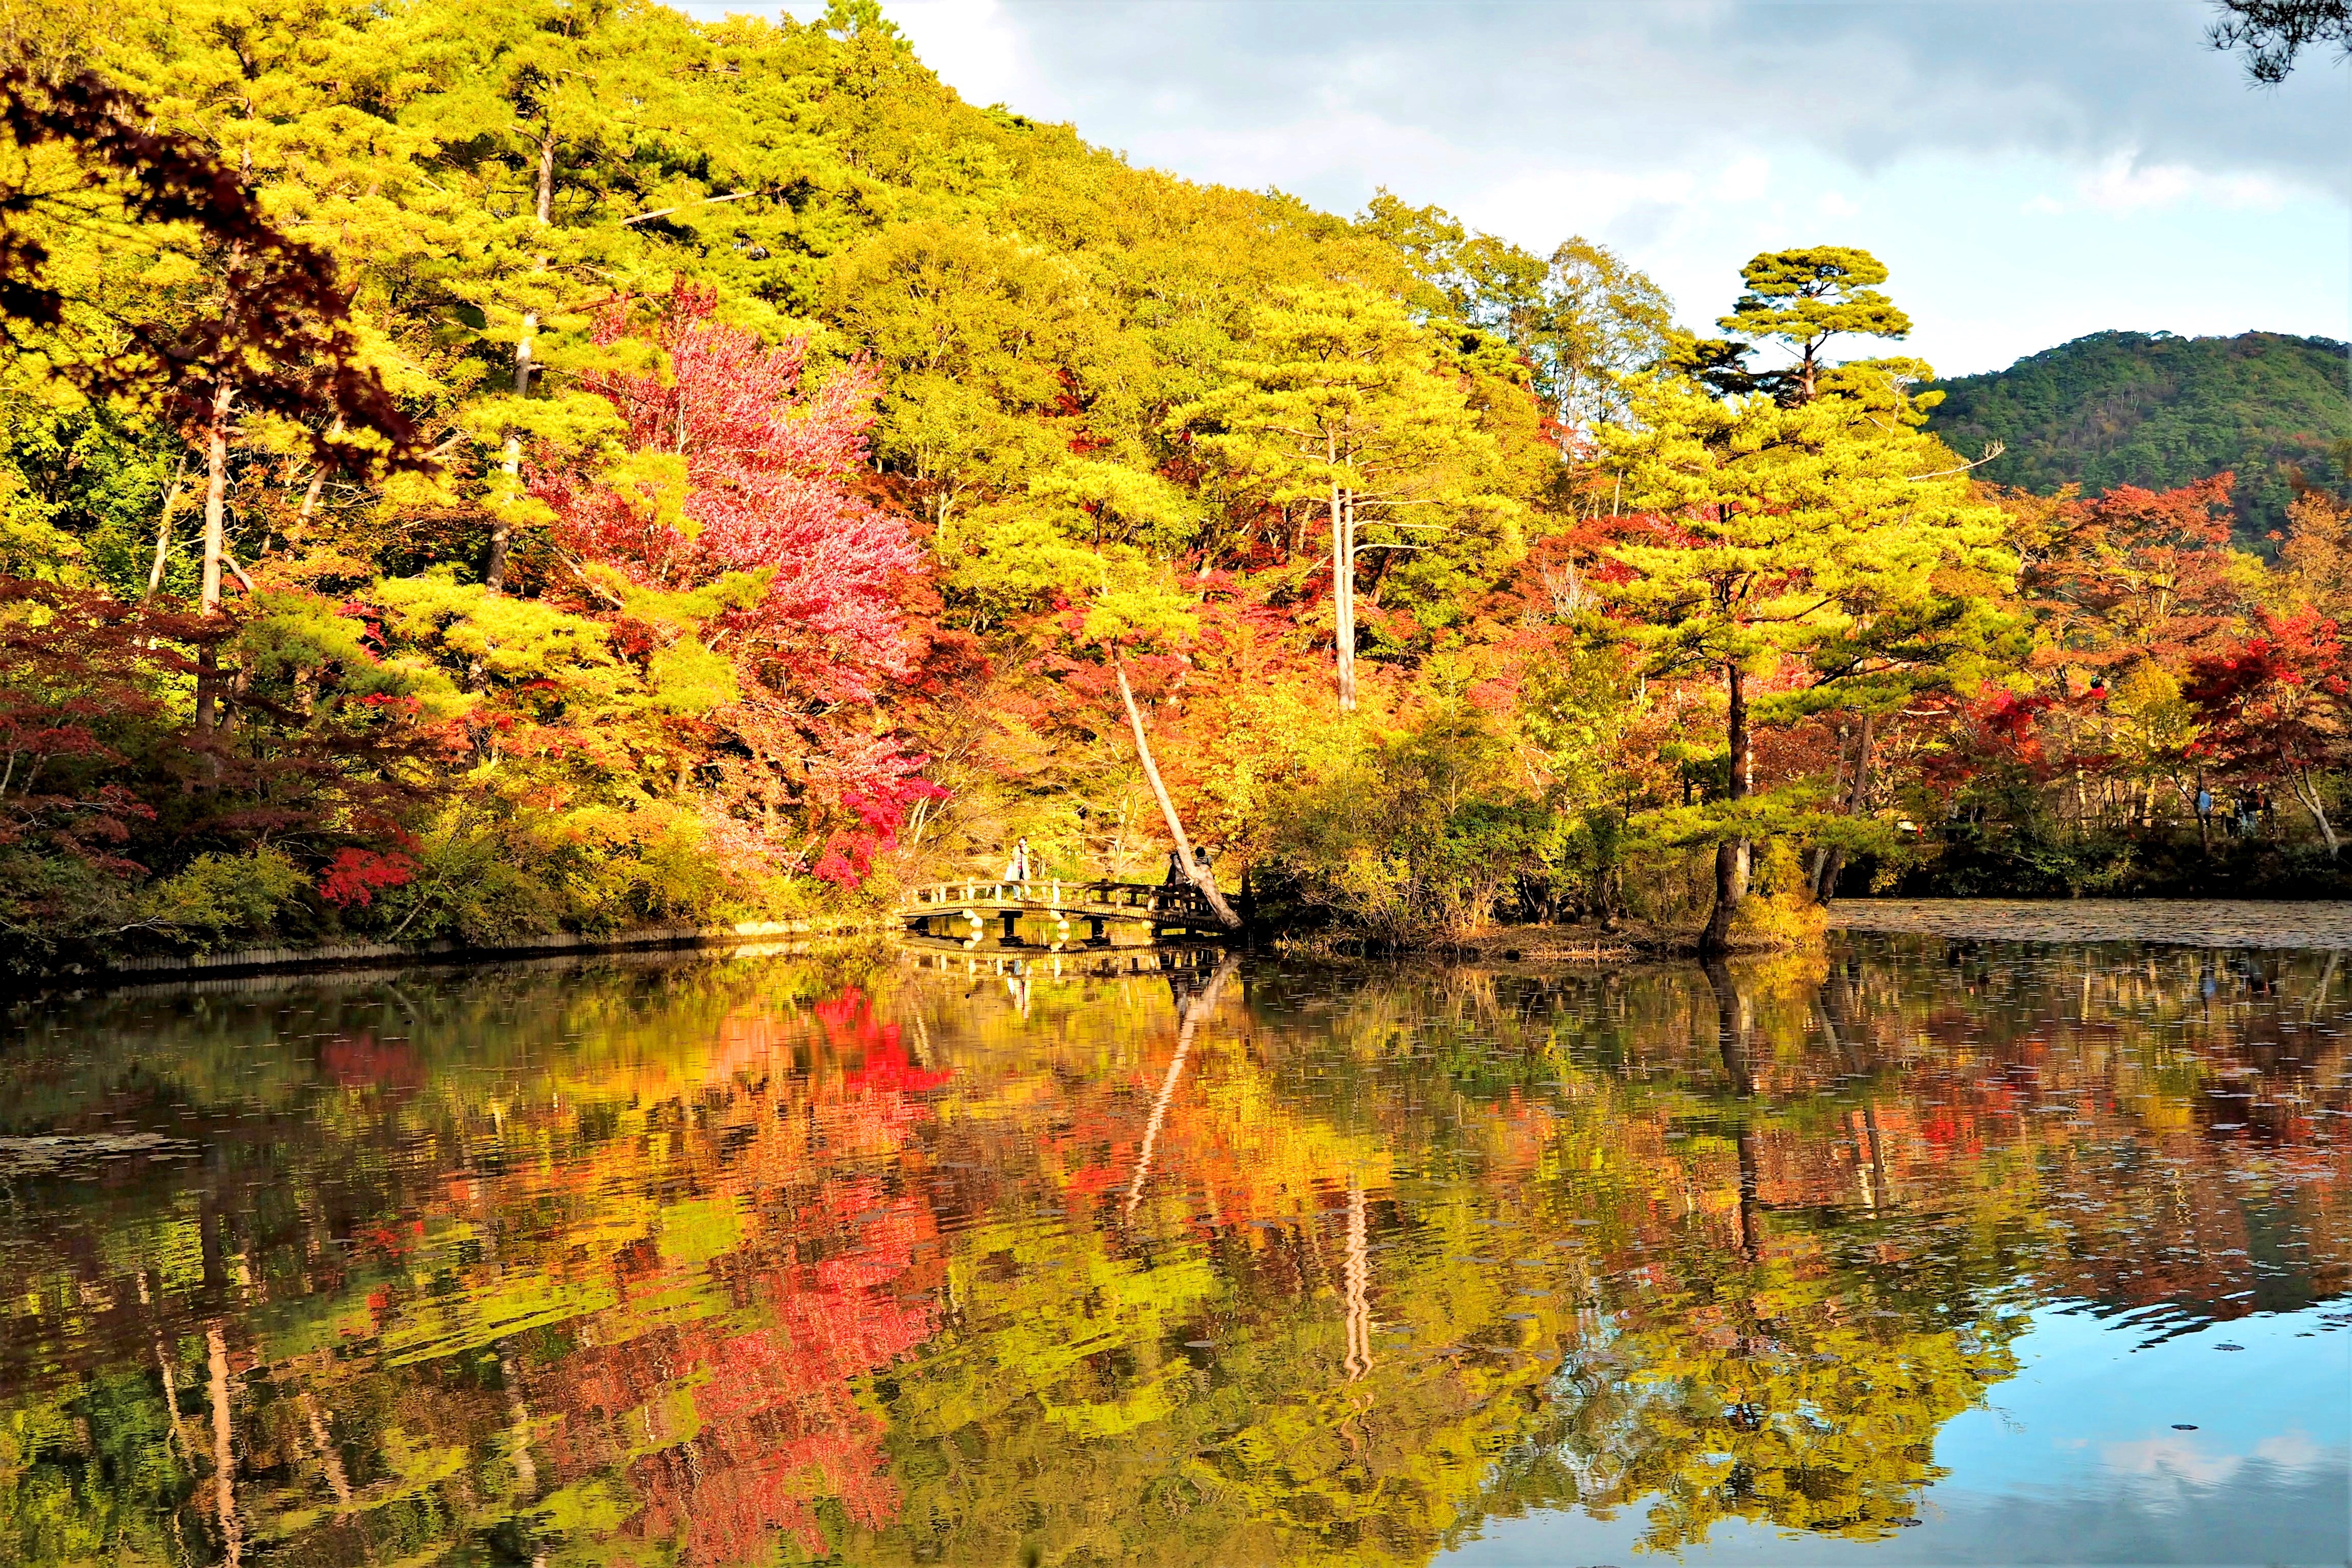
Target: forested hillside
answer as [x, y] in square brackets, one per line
[2156, 411]
[483, 468]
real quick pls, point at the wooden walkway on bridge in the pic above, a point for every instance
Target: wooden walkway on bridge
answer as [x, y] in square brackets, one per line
[962, 911]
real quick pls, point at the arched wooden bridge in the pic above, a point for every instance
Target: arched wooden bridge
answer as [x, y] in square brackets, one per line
[1071, 914]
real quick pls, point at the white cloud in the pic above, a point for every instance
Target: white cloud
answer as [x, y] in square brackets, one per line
[2173, 1457]
[2180, 1457]
[2123, 183]
[1746, 179]
[2090, 164]
[1579, 199]
[2291, 1451]
[977, 50]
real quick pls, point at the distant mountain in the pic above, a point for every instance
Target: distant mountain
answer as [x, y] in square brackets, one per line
[2148, 408]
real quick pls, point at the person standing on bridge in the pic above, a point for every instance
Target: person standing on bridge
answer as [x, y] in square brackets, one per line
[1018, 871]
[1176, 878]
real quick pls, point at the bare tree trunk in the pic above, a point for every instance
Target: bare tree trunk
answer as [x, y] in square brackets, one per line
[1820, 859]
[1348, 533]
[330, 1461]
[1731, 855]
[171, 1396]
[1734, 1022]
[1201, 880]
[1343, 592]
[215, 529]
[1825, 876]
[224, 1449]
[1356, 1277]
[494, 572]
[318, 474]
[1195, 1012]
[215, 496]
[526, 1470]
[546, 170]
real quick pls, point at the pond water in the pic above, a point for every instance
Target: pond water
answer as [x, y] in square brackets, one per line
[1924, 1251]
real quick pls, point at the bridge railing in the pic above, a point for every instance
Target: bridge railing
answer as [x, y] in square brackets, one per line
[1053, 893]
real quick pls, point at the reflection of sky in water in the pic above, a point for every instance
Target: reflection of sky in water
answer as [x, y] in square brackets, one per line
[2079, 1458]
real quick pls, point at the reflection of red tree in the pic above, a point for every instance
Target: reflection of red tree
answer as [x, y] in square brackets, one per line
[848, 1020]
[782, 1427]
[777, 1428]
[362, 1061]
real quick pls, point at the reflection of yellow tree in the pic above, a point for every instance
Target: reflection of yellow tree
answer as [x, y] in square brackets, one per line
[1775, 1393]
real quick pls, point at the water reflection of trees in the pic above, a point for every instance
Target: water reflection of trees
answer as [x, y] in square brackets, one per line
[724, 1260]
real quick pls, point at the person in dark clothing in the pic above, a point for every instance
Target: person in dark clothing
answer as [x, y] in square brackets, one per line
[1176, 876]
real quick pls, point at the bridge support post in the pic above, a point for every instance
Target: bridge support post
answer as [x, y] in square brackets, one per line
[1098, 931]
[1012, 919]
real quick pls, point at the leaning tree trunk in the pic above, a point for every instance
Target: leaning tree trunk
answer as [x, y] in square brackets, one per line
[224, 1449]
[1731, 855]
[1190, 1016]
[1201, 880]
[163, 534]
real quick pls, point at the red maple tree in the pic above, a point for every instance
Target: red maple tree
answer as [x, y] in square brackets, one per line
[2273, 707]
[809, 777]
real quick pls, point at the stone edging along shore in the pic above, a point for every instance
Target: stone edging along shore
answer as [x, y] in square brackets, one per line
[387, 955]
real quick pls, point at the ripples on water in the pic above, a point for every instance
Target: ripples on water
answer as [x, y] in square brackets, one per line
[1931, 1251]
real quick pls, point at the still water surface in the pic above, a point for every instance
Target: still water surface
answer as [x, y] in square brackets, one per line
[1927, 1252]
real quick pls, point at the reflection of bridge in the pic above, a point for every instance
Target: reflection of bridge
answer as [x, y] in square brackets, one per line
[961, 912]
[1185, 965]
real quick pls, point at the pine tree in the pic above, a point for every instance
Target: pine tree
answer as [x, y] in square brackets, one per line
[1802, 298]
[1781, 533]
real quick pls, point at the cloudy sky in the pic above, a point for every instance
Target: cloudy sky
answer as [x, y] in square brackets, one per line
[2030, 172]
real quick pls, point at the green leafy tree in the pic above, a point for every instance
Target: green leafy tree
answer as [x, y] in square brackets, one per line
[1581, 320]
[1602, 323]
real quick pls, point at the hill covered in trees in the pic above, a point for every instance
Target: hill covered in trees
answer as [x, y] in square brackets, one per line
[2158, 411]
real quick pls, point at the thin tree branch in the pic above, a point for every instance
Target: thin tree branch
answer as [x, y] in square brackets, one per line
[1993, 450]
[704, 202]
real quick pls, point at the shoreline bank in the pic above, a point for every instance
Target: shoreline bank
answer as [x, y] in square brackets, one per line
[747, 938]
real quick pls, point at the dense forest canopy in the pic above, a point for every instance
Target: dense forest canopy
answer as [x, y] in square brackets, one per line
[2158, 411]
[581, 466]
